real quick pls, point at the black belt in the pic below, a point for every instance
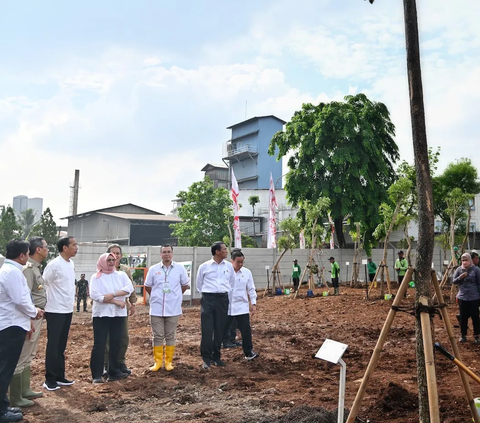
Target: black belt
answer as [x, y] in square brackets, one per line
[216, 294]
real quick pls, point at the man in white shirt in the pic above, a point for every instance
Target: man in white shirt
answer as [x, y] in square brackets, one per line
[20, 392]
[16, 312]
[215, 280]
[59, 277]
[166, 282]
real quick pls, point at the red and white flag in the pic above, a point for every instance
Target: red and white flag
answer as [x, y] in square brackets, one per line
[302, 240]
[236, 219]
[272, 220]
[332, 228]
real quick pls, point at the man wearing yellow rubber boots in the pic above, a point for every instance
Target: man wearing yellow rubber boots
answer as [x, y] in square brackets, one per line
[166, 282]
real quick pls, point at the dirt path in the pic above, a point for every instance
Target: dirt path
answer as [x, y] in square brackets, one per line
[277, 385]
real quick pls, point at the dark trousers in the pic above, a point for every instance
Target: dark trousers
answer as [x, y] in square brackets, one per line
[58, 326]
[231, 331]
[335, 282]
[103, 327]
[371, 276]
[11, 344]
[243, 322]
[469, 309]
[296, 282]
[122, 349]
[214, 313]
[79, 300]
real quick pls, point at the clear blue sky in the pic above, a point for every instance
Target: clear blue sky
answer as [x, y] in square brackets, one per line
[138, 95]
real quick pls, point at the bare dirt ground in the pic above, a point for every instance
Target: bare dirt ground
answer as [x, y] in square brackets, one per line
[284, 384]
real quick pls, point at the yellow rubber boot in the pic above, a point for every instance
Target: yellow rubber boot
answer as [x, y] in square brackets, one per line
[158, 357]
[169, 351]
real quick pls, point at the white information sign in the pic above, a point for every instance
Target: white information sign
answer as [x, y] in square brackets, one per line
[267, 267]
[347, 263]
[364, 262]
[331, 351]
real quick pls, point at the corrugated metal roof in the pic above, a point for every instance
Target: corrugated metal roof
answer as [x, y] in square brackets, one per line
[137, 216]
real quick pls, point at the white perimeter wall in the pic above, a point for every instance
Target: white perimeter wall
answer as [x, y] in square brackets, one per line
[256, 259]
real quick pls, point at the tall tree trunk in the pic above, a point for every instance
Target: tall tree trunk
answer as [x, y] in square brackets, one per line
[338, 223]
[424, 189]
[467, 232]
[409, 243]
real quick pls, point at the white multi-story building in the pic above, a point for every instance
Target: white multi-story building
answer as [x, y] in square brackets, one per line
[22, 203]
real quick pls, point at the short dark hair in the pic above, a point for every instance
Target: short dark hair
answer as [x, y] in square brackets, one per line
[16, 247]
[217, 246]
[83, 274]
[109, 249]
[64, 242]
[236, 253]
[35, 242]
[400, 252]
[473, 255]
[166, 246]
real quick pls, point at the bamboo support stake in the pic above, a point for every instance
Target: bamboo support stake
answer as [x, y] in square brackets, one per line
[388, 280]
[454, 346]
[378, 348]
[372, 284]
[429, 362]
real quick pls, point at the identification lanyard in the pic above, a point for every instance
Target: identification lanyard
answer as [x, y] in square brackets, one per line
[166, 284]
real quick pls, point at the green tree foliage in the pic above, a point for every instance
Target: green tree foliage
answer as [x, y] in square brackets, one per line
[343, 151]
[9, 228]
[46, 228]
[460, 174]
[27, 220]
[253, 200]
[205, 214]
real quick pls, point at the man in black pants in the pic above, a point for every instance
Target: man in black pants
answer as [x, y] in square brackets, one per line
[59, 277]
[16, 310]
[215, 279]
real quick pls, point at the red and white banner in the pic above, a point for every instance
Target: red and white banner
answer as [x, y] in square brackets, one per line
[332, 238]
[236, 219]
[302, 240]
[272, 220]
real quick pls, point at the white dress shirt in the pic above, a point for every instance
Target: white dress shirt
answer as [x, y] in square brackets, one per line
[244, 288]
[213, 277]
[109, 284]
[16, 305]
[59, 277]
[166, 283]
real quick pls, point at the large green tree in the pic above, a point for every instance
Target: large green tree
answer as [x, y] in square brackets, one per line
[9, 228]
[459, 174]
[343, 151]
[46, 228]
[205, 212]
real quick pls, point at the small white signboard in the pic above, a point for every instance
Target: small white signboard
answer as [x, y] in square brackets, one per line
[347, 263]
[331, 351]
[267, 267]
[364, 262]
[445, 262]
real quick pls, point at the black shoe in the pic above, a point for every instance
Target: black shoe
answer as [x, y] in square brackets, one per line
[51, 386]
[237, 343]
[65, 382]
[218, 363]
[105, 373]
[120, 376]
[230, 345]
[98, 380]
[15, 410]
[251, 356]
[205, 365]
[8, 416]
[463, 340]
[126, 370]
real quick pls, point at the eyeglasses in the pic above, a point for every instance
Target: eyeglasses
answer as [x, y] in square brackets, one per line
[110, 260]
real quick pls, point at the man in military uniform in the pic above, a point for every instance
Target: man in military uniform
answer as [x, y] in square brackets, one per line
[116, 250]
[82, 292]
[20, 391]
